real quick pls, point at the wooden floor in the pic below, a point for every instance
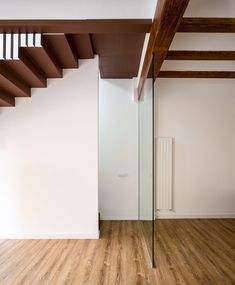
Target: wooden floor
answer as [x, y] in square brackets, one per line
[195, 252]
[188, 252]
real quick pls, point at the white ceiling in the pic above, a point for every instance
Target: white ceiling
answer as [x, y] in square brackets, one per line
[204, 41]
[210, 8]
[76, 9]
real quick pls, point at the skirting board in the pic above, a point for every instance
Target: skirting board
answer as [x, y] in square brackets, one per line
[118, 218]
[174, 215]
[51, 236]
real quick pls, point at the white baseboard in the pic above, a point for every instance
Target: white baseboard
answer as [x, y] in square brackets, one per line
[118, 218]
[94, 235]
[175, 215]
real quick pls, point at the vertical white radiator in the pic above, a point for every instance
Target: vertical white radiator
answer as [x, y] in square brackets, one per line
[164, 173]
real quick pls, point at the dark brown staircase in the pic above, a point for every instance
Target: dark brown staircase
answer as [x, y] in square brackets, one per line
[118, 43]
[34, 66]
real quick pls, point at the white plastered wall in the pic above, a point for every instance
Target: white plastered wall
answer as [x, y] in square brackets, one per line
[49, 159]
[118, 150]
[200, 114]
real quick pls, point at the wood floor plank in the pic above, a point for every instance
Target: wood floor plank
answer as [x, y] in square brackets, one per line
[211, 265]
[188, 252]
[14, 258]
[41, 263]
[31, 259]
[61, 273]
[217, 255]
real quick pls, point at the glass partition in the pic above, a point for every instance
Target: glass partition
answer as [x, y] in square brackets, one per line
[146, 162]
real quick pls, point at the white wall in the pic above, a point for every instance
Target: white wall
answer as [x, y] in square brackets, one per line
[76, 9]
[200, 116]
[118, 150]
[49, 160]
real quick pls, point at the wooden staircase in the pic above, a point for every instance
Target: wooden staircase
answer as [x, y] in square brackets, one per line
[31, 51]
[35, 64]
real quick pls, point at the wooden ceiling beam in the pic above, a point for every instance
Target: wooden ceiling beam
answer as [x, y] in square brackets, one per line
[6, 100]
[105, 26]
[200, 55]
[167, 19]
[196, 74]
[207, 25]
[10, 82]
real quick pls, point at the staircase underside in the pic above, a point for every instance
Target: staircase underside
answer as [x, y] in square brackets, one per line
[118, 43]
